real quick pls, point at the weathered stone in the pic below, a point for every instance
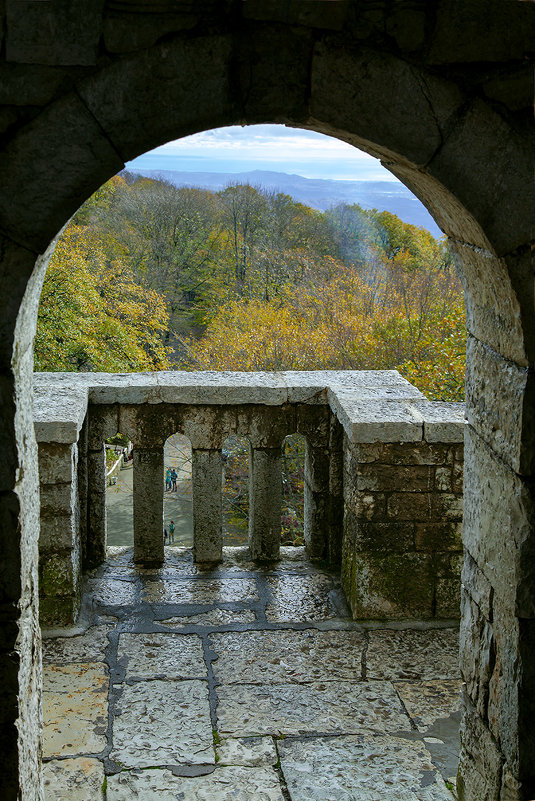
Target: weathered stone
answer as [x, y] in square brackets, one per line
[328, 707]
[67, 647]
[341, 72]
[385, 477]
[443, 422]
[477, 653]
[224, 784]
[429, 701]
[57, 463]
[438, 537]
[73, 779]
[489, 377]
[360, 767]
[184, 731]
[200, 591]
[148, 507]
[300, 598]
[382, 421]
[265, 493]
[425, 655]
[480, 765]
[215, 617]
[497, 140]
[112, 592]
[173, 656]
[66, 33]
[57, 532]
[120, 94]
[403, 453]
[262, 657]
[250, 752]
[477, 585]
[497, 534]
[206, 483]
[75, 709]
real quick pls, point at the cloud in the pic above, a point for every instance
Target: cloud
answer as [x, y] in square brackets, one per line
[275, 147]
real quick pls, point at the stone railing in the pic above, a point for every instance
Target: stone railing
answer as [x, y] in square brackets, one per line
[383, 476]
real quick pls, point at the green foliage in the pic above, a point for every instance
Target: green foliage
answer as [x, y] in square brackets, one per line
[149, 276]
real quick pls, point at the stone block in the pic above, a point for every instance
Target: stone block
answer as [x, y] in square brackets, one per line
[58, 611]
[206, 482]
[222, 387]
[398, 453]
[477, 585]
[392, 586]
[338, 74]
[28, 85]
[78, 159]
[481, 32]
[264, 427]
[315, 423]
[493, 308]
[443, 479]
[103, 423]
[62, 33]
[59, 412]
[438, 536]
[513, 88]
[388, 478]
[377, 421]
[56, 532]
[122, 33]
[499, 535]
[57, 463]
[476, 653]
[410, 506]
[480, 765]
[58, 575]
[186, 74]
[481, 129]
[458, 477]
[58, 499]
[148, 507]
[443, 422]
[499, 394]
[393, 537]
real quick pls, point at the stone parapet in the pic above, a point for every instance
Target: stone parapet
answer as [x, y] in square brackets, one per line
[383, 475]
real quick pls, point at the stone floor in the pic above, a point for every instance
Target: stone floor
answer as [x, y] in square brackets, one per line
[244, 684]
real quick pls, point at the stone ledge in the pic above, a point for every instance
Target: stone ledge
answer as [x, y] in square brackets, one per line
[371, 405]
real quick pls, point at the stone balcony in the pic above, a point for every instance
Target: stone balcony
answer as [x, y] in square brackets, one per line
[383, 477]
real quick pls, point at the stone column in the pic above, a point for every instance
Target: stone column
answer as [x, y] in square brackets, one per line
[95, 552]
[59, 540]
[316, 490]
[335, 523]
[148, 506]
[265, 494]
[206, 482]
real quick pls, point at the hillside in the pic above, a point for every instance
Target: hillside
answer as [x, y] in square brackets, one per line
[318, 193]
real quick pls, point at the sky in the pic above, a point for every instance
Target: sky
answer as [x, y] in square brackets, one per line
[265, 147]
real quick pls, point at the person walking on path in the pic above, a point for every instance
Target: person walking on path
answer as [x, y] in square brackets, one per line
[174, 476]
[171, 532]
[168, 479]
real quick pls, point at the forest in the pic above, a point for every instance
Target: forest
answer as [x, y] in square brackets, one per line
[148, 276]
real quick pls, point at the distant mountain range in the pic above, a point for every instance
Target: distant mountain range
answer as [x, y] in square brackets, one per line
[318, 193]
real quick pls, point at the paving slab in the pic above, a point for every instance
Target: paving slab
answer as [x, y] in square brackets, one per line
[162, 723]
[75, 709]
[214, 617]
[86, 647]
[112, 592]
[199, 591]
[259, 657]
[363, 768]
[409, 654]
[320, 707]
[248, 751]
[429, 701]
[175, 656]
[79, 779]
[300, 598]
[224, 784]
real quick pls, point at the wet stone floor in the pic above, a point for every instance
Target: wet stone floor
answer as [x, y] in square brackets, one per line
[244, 683]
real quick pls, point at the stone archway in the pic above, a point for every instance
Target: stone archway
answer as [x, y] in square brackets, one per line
[451, 133]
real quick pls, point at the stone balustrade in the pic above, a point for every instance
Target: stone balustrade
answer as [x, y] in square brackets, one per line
[383, 477]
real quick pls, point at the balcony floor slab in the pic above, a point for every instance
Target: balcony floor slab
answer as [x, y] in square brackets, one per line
[246, 682]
